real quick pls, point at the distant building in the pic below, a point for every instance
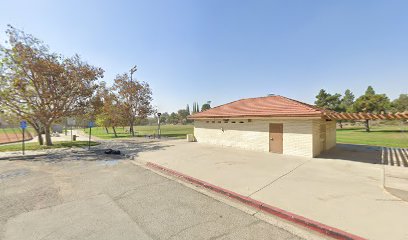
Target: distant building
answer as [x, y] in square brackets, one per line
[272, 124]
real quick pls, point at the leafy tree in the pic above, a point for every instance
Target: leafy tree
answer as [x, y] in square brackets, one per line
[400, 104]
[135, 99]
[182, 115]
[164, 117]
[110, 115]
[206, 106]
[41, 86]
[371, 102]
[188, 109]
[173, 118]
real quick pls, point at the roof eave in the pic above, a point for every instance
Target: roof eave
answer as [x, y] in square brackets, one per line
[292, 116]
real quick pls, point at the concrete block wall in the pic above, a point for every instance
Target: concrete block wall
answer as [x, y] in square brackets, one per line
[246, 135]
[298, 138]
[318, 139]
[254, 135]
[330, 134]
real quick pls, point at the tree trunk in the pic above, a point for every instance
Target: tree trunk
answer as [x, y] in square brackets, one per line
[39, 136]
[48, 140]
[132, 121]
[367, 125]
[114, 131]
[107, 130]
[340, 124]
[132, 130]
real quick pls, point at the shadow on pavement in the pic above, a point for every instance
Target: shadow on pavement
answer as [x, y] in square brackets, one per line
[356, 153]
[128, 148]
[368, 154]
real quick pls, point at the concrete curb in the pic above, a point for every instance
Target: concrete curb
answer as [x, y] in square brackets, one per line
[291, 217]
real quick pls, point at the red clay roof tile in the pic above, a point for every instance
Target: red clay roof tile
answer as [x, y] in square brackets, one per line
[271, 106]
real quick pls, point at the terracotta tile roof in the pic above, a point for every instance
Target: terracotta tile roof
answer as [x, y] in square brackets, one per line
[271, 106]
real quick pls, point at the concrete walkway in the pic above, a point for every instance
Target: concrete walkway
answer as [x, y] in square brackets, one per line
[346, 194]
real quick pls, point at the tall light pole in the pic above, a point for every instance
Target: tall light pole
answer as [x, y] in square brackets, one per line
[132, 70]
[158, 125]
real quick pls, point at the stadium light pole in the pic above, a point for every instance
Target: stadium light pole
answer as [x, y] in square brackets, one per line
[132, 70]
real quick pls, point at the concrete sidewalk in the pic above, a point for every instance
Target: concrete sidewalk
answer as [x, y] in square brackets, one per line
[344, 194]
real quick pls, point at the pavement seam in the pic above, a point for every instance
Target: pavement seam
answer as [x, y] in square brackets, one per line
[278, 178]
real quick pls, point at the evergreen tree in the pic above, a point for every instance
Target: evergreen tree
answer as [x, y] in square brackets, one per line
[194, 108]
[327, 101]
[321, 98]
[347, 101]
[370, 91]
[371, 102]
[188, 109]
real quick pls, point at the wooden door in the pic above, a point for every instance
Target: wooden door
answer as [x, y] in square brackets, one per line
[276, 137]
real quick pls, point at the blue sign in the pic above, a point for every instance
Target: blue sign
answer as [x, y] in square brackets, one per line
[23, 124]
[91, 124]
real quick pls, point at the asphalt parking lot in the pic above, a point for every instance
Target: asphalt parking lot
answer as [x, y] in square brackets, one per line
[88, 195]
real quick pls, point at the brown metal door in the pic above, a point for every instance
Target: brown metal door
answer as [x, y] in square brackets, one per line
[275, 137]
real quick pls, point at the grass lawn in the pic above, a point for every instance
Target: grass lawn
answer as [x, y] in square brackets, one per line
[36, 146]
[386, 136]
[176, 131]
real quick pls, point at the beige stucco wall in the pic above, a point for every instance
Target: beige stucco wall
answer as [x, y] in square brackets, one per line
[300, 137]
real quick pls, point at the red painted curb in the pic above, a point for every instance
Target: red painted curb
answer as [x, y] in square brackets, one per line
[294, 218]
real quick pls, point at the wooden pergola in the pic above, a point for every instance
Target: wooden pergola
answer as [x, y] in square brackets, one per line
[366, 116]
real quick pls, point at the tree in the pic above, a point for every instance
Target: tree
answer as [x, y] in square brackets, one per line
[327, 101]
[41, 86]
[188, 109]
[370, 91]
[110, 115]
[206, 106]
[321, 98]
[371, 102]
[194, 107]
[400, 104]
[330, 102]
[135, 99]
[182, 115]
[164, 117]
[173, 118]
[347, 101]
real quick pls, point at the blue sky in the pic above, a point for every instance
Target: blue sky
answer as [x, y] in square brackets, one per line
[223, 50]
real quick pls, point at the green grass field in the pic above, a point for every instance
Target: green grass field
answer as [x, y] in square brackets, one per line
[175, 131]
[385, 136]
[36, 146]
